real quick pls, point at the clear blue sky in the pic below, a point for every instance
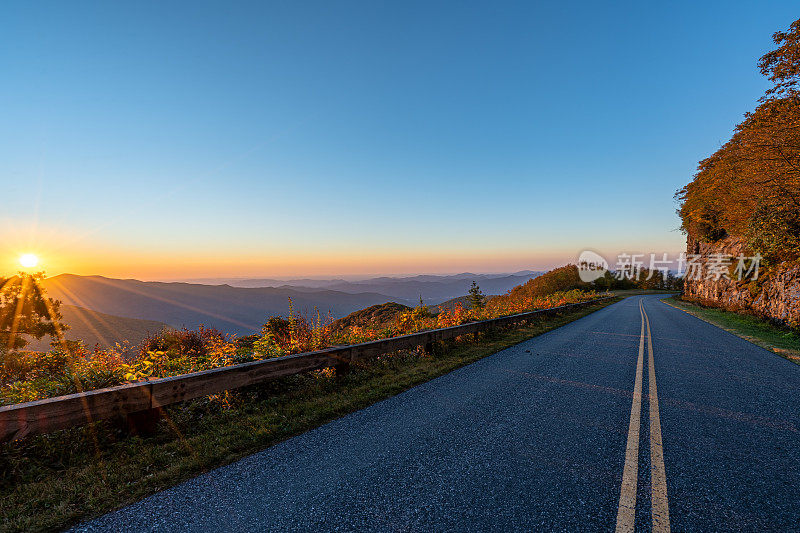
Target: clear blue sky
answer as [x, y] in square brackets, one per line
[166, 139]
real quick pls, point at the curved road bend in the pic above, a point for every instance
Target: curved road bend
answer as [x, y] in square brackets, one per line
[559, 432]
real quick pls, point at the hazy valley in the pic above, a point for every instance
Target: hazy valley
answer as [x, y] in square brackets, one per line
[105, 311]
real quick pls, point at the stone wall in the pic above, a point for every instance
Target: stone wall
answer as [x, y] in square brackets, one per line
[775, 295]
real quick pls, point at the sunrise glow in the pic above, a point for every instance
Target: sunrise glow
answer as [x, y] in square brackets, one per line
[28, 260]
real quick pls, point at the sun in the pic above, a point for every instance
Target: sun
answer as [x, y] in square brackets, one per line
[28, 260]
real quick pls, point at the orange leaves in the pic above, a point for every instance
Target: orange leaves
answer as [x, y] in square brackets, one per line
[417, 319]
[458, 315]
[530, 295]
[520, 303]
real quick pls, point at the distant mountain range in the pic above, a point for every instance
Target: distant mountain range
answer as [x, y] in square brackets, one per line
[230, 309]
[433, 289]
[241, 309]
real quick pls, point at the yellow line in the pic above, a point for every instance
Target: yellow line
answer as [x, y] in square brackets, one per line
[658, 474]
[626, 512]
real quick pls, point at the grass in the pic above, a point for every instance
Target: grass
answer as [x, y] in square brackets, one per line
[781, 341]
[54, 481]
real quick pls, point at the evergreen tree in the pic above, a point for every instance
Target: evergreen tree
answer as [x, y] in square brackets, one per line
[25, 310]
[476, 298]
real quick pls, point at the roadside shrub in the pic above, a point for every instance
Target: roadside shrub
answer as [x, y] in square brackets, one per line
[28, 376]
[182, 342]
[775, 232]
[17, 366]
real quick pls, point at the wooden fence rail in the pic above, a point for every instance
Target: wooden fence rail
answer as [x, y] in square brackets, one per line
[142, 401]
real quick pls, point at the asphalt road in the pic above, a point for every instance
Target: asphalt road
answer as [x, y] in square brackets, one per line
[537, 437]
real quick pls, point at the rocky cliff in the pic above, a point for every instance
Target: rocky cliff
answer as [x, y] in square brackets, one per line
[774, 295]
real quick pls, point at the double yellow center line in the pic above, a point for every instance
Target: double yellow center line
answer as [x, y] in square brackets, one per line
[626, 512]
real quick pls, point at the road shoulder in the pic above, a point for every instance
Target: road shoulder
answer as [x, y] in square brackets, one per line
[750, 328]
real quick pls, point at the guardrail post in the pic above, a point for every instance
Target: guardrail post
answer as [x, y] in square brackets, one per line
[342, 366]
[342, 369]
[143, 422]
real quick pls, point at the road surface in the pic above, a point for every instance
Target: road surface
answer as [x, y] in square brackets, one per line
[636, 417]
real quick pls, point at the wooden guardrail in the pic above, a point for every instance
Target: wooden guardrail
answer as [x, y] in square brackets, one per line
[141, 402]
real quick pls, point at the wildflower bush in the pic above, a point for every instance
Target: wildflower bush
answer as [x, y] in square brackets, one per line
[30, 376]
[26, 376]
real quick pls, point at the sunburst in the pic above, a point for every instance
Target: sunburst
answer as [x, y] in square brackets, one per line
[28, 260]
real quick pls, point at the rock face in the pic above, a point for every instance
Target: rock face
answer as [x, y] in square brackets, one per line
[774, 295]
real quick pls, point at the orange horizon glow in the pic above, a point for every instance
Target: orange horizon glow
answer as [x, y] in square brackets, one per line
[152, 267]
[192, 266]
[60, 250]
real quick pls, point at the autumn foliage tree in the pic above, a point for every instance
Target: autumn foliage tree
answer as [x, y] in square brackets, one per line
[782, 65]
[750, 187]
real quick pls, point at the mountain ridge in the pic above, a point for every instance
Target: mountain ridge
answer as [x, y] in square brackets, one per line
[178, 304]
[243, 310]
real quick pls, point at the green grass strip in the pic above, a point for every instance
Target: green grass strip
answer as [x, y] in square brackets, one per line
[782, 341]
